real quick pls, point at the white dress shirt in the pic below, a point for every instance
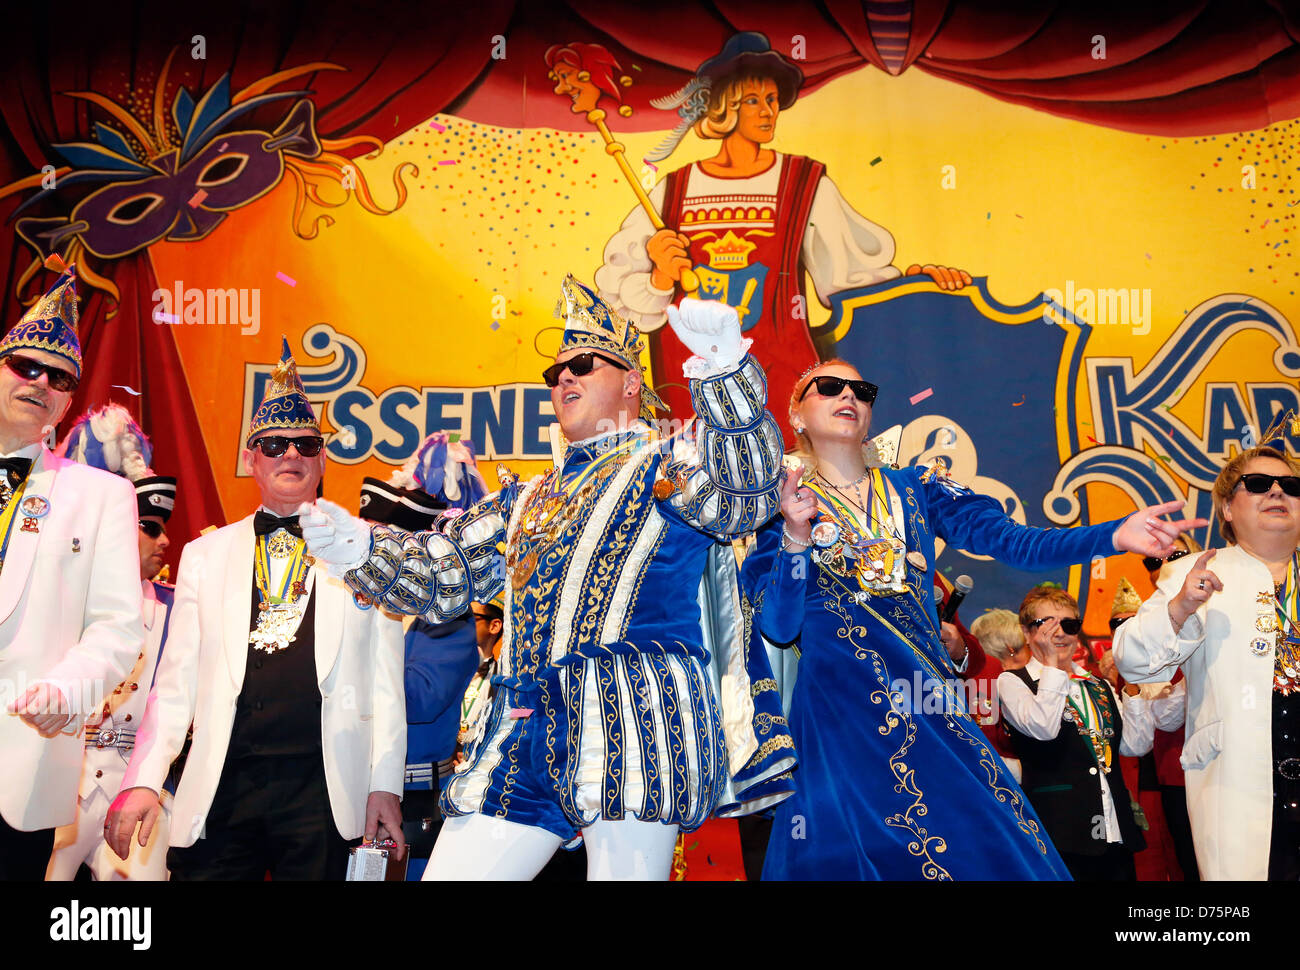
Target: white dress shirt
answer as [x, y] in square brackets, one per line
[1041, 715]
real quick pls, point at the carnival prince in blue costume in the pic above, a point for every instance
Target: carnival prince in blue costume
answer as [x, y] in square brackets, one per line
[604, 723]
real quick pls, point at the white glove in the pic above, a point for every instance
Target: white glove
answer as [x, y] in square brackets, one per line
[337, 539]
[711, 330]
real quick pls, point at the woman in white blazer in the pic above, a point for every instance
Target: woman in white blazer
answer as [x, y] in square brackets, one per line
[1228, 618]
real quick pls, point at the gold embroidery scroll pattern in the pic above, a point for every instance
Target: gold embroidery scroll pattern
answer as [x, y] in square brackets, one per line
[758, 686]
[922, 843]
[774, 744]
[836, 594]
[1010, 796]
[548, 709]
[573, 686]
[538, 594]
[673, 723]
[517, 732]
[637, 679]
[612, 724]
[627, 523]
[766, 722]
[640, 579]
[709, 740]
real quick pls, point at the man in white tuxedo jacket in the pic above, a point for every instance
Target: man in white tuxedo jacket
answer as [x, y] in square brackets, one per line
[69, 599]
[108, 438]
[296, 697]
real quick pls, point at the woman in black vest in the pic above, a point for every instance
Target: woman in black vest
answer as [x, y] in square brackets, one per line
[1068, 729]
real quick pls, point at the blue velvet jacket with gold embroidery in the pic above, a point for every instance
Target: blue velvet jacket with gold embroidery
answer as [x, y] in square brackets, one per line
[605, 553]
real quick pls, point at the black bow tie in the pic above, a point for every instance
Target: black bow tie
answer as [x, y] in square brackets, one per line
[264, 524]
[16, 469]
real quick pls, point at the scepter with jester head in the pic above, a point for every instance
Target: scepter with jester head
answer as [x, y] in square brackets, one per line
[586, 73]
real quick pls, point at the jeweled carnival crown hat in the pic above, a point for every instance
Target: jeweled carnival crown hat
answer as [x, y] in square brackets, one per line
[284, 406]
[51, 324]
[590, 324]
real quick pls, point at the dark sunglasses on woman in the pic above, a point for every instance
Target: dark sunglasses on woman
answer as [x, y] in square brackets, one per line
[827, 386]
[1116, 622]
[1256, 483]
[1070, 625]
[275, 445]
[1152, 563]
[152, 529]
[29, 370]
[579, 365]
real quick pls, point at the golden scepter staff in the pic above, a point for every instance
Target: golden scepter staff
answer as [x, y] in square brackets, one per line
[574, 80]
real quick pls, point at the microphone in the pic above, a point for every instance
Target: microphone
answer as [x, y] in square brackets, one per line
[963, 585]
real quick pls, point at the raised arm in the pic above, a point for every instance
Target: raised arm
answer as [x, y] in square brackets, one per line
[1149, 647]
[430, 574]
[728, 474]
[978, 524]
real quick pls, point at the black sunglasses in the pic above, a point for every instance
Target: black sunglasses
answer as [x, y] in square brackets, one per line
[579, 365]
[1256, 483]
[1070, 625]
[1117, 622]
[152, 529]
[828, 386]
[1152, 563]
[275, 445]
[29, 370]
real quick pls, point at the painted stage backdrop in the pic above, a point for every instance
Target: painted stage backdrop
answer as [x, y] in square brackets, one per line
[400, 195]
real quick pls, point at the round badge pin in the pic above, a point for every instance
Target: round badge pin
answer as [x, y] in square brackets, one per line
[824, 534]
[35, 507]
[1260, 646]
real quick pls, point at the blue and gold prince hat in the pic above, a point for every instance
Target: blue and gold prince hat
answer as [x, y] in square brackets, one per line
[590, 324]
[284, 405]
[51, 324]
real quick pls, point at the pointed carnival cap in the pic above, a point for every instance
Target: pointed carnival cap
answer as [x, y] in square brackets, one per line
[284, 406]
[1126, 599]
[590, 324]
[109, 439]
[51, 324]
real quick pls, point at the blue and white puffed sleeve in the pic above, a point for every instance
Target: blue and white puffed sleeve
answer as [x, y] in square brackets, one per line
[436, 574]
[727, 475]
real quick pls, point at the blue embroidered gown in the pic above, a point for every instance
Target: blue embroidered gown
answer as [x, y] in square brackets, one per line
[891, 785]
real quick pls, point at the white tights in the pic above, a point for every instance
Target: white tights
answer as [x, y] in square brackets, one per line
[485, 847]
